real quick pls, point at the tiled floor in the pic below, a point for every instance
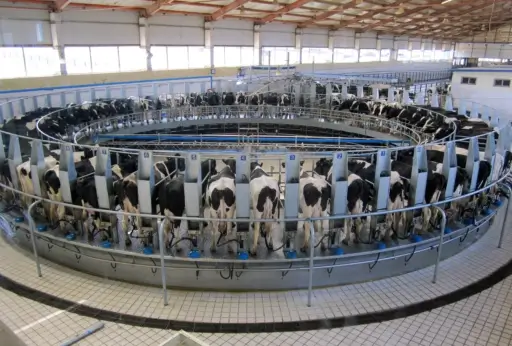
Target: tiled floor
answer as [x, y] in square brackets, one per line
[469, 266]
[482, 319]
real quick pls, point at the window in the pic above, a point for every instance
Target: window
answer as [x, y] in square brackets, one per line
[198, 57]
[158, 58]
[132, 58]
[78, 60]
[428, 55]
[232, 56]
[417, 55]
[12, 64]
[279, 56]
[247, 56]
[443, 55]
[502, 83]
[345, 55]
[318, 55]
[385, 54]
[468, 80]
[404, 55]
[367, 55]
[104, 59]
[41, 61]
[177, 58]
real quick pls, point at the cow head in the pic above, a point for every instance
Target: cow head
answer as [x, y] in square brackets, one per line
[231, 163]
[256, 164]
[301, 163]
[323, 166]
[52, 181]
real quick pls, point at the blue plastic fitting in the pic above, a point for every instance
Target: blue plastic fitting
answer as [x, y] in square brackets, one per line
[381, 245]
[291, 254]
[338, 251]
[194, 254]
[416, 238]
[467, 221]
[244, 255]
[447, 230]
[71, 236]
[19, 219]
[147, 250]
[498, 203]
[42, 228]
[106, 244]
[487, 212]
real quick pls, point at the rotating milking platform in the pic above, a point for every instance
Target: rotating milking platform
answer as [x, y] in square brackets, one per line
[276, 270]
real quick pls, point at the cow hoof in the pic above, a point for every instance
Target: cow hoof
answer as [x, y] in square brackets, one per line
[345, 242]
[128, 242]
[303, 249]
[356, 241]
[323, 247]
[253, 252]
[178, 249]
[213, 249]
[270, 246]
[394, 237]
[231, 250]
[104, 238]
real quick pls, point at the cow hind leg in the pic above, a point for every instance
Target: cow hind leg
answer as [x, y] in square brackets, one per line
[269, 228]
[306, 236]
[255, 237]
[348, 230]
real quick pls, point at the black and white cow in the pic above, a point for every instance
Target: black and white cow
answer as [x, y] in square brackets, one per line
[228, 98]
[84, 167]
[264, 197]
[435, 186]
[169, 196]
[398, 192]
[169, 167]
[359, 193]
[220, 204]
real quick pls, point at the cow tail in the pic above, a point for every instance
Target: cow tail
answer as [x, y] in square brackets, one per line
[154, 198]
[268, 205]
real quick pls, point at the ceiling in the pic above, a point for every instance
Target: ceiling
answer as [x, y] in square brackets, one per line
[440, 19]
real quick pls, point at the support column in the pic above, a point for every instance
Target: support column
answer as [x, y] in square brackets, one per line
[298, 42]
[330, 43]
[144, 40]
[208, 42]
[257, 45]
[55, 27]
[356, 46]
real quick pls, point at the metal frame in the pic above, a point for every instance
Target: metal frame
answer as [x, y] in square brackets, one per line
[368, 258]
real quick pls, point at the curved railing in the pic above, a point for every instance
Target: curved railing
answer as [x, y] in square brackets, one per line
[369, 257]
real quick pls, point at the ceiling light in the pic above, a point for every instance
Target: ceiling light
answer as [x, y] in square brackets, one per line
[446, 1]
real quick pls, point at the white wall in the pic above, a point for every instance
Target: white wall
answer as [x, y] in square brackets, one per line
[76, 27]
[483, 50]
[484, 92]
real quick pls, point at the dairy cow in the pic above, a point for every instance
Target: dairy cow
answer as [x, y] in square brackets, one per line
[220, 204]
[264, 198]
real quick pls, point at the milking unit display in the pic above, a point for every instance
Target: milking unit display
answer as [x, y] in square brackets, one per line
[397, 226]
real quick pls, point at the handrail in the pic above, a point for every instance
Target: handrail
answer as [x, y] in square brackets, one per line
[294, 219]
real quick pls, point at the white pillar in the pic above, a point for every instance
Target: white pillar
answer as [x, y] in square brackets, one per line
[391, 94]
[448, 105]
[462, 107]
[360, 91]
[420, 98]
[434, 102]
[375, 93]
[474, 110]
